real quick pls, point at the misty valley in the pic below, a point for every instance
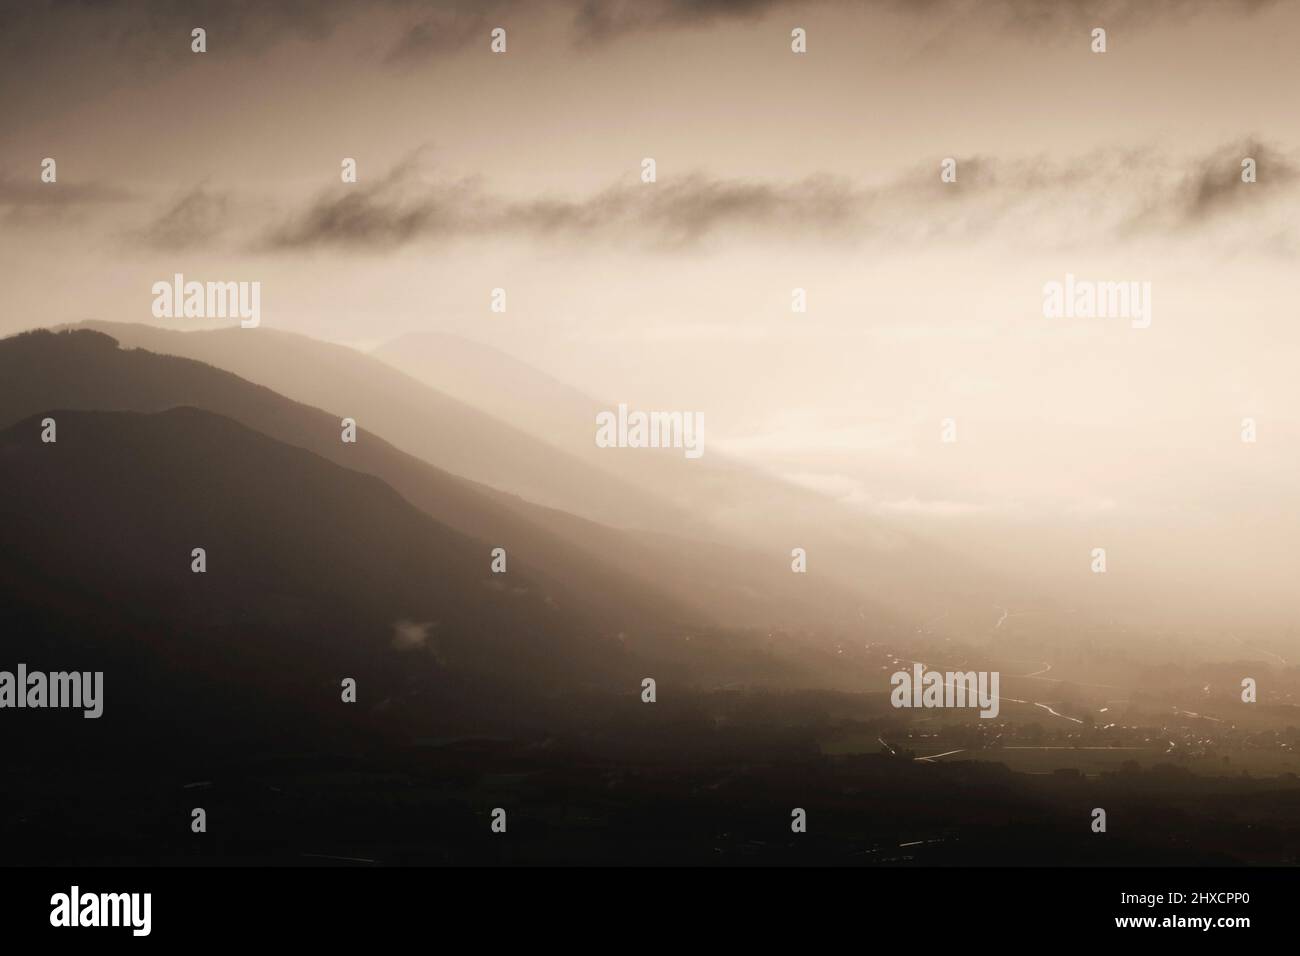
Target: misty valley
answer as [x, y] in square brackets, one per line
[473, 685]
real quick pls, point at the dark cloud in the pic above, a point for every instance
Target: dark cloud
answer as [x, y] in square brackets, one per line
[604, 19]
[447, 27]
[1049, 15]
[149, 30]
[1208, 189]
[690, 209]
[404, 206]
[597, 20]
[1133, 193]
[196, 218]
[132, 25]
[1214, 184]
[55, 54]
[399, 207]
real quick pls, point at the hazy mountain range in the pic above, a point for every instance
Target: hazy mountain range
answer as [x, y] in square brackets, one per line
[329, 560]
[481, 415]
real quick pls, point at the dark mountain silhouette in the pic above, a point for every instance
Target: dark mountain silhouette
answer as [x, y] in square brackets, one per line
[86, 370]
[634, 583]
[415, 417]
[314, 573]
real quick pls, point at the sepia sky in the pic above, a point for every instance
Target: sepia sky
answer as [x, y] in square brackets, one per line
[775, 171]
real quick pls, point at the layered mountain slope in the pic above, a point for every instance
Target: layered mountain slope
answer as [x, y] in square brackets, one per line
[313, 574]
[633, 583]
[415, 417]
